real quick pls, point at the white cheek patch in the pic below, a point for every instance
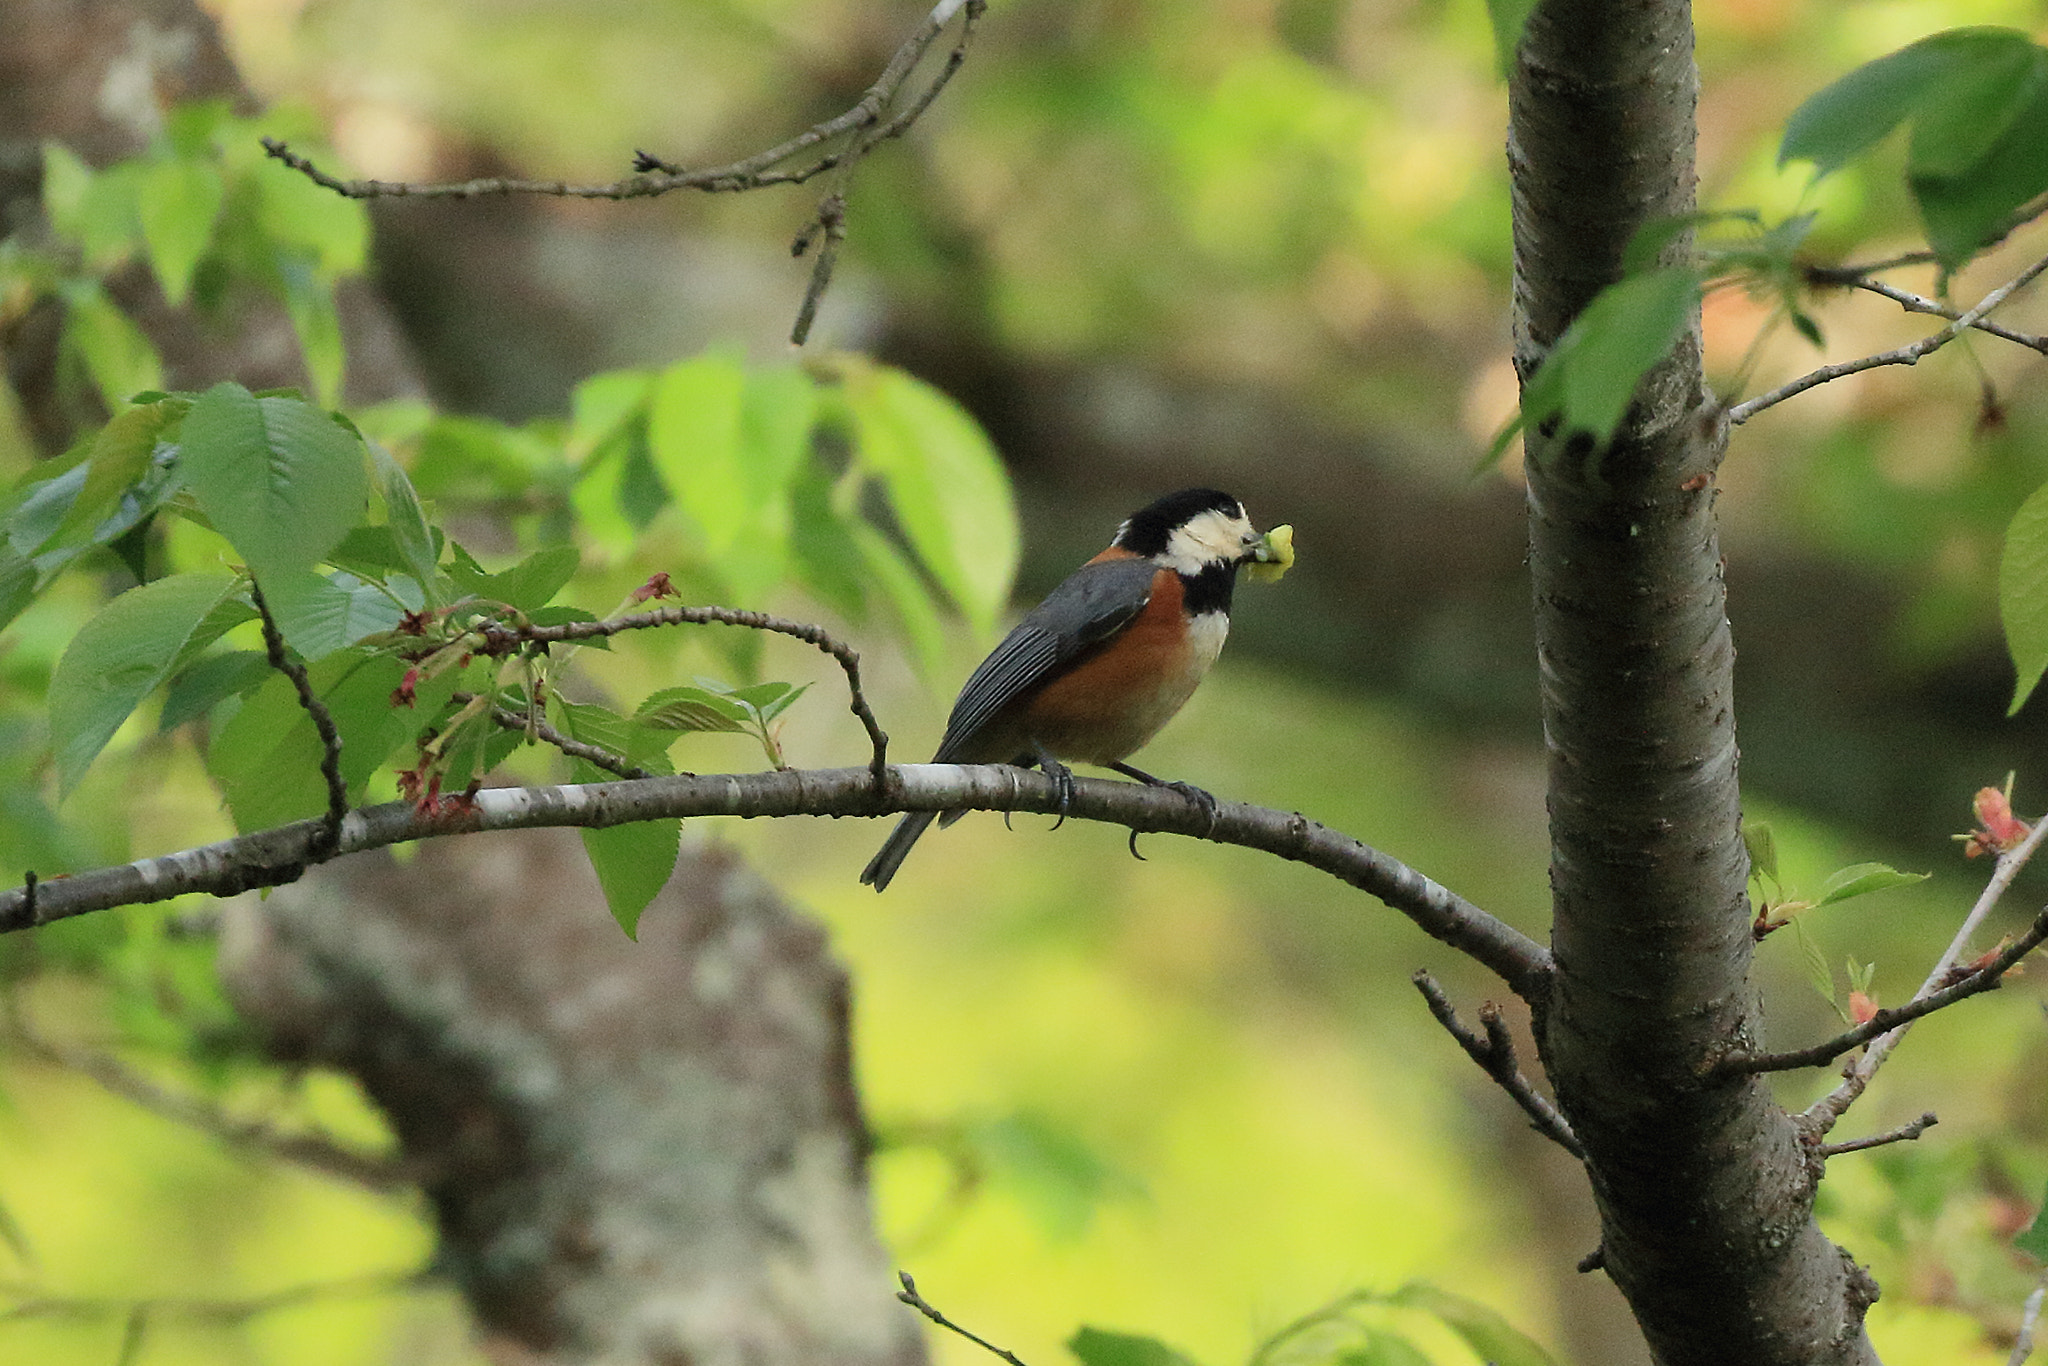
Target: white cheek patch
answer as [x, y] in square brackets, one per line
[1209, 538]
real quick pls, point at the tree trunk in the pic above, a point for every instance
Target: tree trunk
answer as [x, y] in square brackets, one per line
[638, 1154]
[1705, 1192]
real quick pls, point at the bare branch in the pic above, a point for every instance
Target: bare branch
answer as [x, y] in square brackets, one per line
[1909, 354]
[499, 639]
[323, 722]
[1917, 303]
[1495, 1055]
[269, 858]
[908, 1294]
[1884, 1022]
[1905, 1133]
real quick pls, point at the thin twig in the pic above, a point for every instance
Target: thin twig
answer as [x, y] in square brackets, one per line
[1903, 355]
[2030, 1319]
[313, 1152]
[1823, 1113]
[323, 722]
[595, 755]
[273, 857]
[225, 1312]
[908, 1294]
[1942, 987]
[1905, 1133]
[830, 227]
[499, 639]
[1495, 1054]
[1918, 303]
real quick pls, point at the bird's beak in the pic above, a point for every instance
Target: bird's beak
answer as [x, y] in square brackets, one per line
[1273, 554]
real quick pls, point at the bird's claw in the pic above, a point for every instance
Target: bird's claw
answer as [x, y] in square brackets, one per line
[1211, 808]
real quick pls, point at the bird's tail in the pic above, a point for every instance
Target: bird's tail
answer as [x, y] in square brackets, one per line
[884, 864]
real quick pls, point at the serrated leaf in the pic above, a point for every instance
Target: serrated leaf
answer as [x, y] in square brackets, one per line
[406, 522]
[946, 483]
[1489, 1335]
[1099, 1347]
[691, 709]
[117, 659]
[633, 862]
[2023, 594]
[178, 202]
[279, 478]
[2033, 1239]
[318, 614]
[1862, 879]
[532, 583]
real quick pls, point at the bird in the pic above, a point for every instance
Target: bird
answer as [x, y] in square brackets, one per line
[1094, 671]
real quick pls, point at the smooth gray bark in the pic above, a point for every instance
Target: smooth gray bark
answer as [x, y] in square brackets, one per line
[1705, 1191]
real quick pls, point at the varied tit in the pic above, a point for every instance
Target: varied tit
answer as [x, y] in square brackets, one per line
[1096, 669]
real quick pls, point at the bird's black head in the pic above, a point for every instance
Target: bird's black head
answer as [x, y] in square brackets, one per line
[1148, 530]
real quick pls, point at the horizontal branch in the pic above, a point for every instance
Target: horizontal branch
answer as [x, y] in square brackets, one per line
[1904, 1133]
[868, 119]
[269, 858]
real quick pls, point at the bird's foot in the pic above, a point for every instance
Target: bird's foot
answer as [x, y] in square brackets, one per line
[1199, 796]
[1062, 781]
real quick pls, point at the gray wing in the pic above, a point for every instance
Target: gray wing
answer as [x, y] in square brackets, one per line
[1094, 603]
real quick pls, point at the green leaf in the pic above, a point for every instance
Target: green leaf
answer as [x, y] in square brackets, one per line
[309, 303]
[411, 534]
[602, 406]
[1098, 1347]
[1384, 1349]
[1612, 344]
[1762, 847]
[66, 182]
[775, 432]
[318, 614]
[121, 361]
[633, 862]
[770, 700]
[178, 202]
[1509, 18]
[2033, 1239]
[1861, 879]
[693, 433]
[1966, 211]
[292, 210]
[202, 687]
[1837, 124]
[279, 478]
[1960, 118]
[827, 560]
[900, 584]
[117, 659]
[532, 583]
[692, 709]
[95, 209]
[1817, 970]
[1489, 1335]
[946, 483]
[121, 456]
[17, 583]
[2023, 594]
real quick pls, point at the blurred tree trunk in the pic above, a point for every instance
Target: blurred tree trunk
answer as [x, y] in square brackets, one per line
[1705, 1191]
[637, 1153]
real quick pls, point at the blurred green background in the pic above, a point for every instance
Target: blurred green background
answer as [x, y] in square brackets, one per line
[1153, 243]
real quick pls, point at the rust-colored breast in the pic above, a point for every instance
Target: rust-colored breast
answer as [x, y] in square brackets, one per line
[1117, 696]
